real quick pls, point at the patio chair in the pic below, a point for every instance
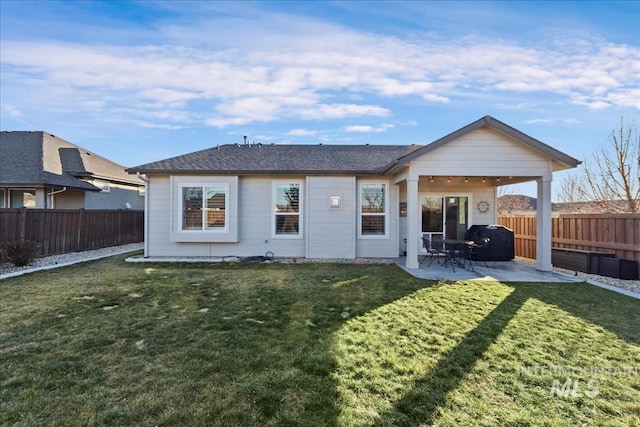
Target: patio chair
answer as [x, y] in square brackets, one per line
[434, 250]
[476, 251]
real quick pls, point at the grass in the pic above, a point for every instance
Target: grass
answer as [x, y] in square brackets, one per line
[108, 343]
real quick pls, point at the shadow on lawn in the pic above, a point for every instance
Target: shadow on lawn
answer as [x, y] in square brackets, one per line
[261, 355]
[420, 405]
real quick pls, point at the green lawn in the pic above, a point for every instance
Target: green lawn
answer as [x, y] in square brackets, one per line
[109, 343]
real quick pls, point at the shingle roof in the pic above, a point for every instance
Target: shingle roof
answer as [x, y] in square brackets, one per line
[282, 159]
[325, 159]
[39, 158]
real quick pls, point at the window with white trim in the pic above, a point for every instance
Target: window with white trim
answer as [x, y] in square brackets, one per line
[287, 203]
[204, 208]
[103, 185]
[373, 209]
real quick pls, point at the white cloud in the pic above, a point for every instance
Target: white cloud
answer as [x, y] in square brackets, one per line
[291, 69]
[533, 121]
[150, 125]
[339, 111]
[548, 121]
[369, 129]
[302, 132]
[436, 98]
[10, 110]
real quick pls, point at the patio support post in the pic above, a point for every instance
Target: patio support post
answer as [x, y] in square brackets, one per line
[543, 225]
[412, 224]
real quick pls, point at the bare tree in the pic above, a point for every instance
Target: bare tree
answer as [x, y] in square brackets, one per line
[611, 177]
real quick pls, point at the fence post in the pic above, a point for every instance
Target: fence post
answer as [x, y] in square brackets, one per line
[79, 231]
[22, 224]
[119, 236]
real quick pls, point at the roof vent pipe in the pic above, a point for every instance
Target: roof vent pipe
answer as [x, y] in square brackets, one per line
[245, 140]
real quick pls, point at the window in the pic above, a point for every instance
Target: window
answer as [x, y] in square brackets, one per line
[432, 214]
[373, 209]
[2, 202]
[103, 185]
[204, 208]
[22, 198]
[287, 206]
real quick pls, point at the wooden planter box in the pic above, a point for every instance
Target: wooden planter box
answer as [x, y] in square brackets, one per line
[619, 268]
[578, 260]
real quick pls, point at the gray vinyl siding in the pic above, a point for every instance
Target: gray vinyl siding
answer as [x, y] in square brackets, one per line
[117, 198]
[159, 225]
[255, 220]
[253, 217]
[331, 231]
[326, 232]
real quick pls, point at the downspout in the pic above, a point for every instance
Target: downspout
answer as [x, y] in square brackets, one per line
[53, 205]
[146, 214]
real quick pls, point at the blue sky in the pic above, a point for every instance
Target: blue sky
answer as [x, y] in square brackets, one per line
[142, 81]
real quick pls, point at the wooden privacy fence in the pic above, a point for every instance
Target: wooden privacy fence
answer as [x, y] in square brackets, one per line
[613, 233]
[60, 231]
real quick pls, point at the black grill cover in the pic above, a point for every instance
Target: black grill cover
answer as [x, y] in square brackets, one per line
[500, 247]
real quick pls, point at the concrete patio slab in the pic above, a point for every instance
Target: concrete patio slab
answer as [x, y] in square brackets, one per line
[502, 271]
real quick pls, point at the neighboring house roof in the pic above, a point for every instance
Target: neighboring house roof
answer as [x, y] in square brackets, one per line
[39, 158]
[326, 159]
[282, 159]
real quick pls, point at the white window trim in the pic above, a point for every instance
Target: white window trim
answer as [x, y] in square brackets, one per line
[386, 211]
[203, 186]
[274, 184]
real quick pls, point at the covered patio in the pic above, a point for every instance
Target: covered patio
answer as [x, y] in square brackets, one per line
[451, 184]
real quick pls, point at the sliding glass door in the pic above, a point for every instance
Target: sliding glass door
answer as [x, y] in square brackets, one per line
[456, 218]
[444, 216]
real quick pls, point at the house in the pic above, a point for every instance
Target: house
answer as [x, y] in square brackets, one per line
[40, 170]
[342, 201]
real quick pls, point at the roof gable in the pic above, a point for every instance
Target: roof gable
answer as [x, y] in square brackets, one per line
[489, 122]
